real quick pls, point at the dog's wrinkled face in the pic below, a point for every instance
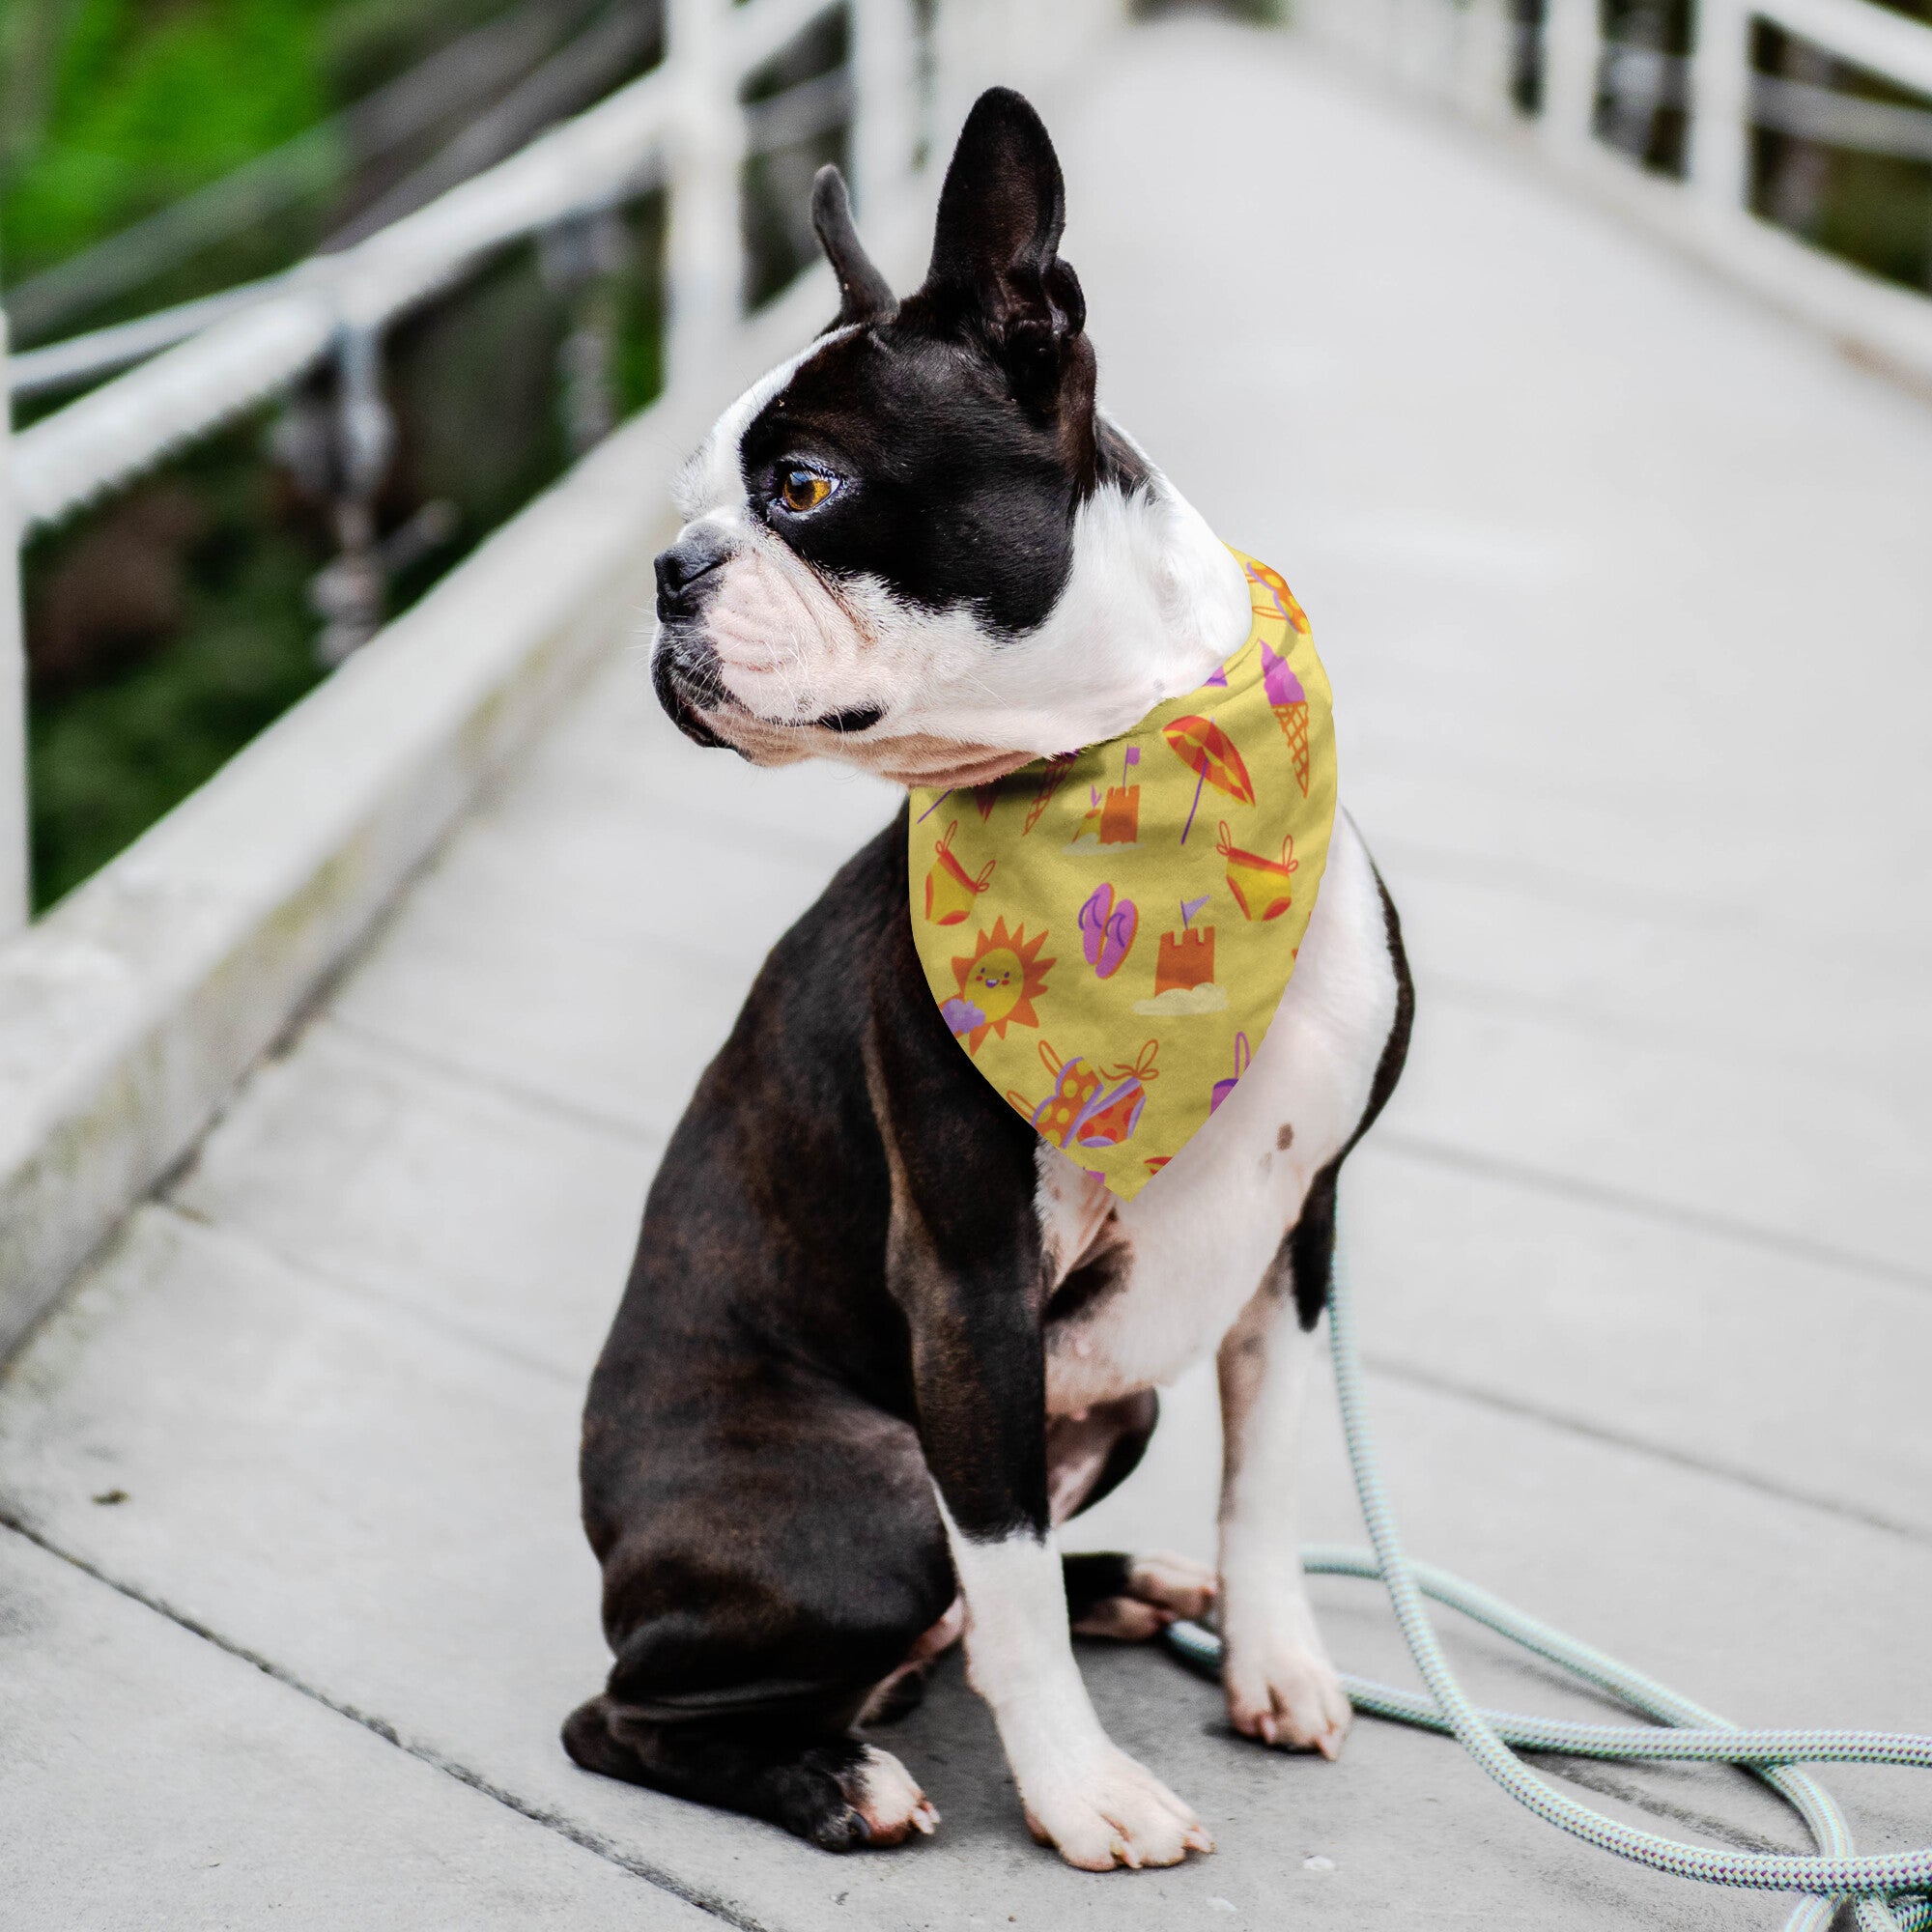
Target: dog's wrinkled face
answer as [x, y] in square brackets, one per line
[899, 548]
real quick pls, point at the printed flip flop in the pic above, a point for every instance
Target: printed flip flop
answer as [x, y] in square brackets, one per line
[1107, 931]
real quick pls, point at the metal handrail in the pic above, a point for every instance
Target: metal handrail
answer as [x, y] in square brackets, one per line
[681, 124]
[606, 154]
[1648, 78]
[811, 107]
[128, 425]
[13, 881]
[1469, 53]
[75, 360]
[1891, 45]
[684, 125]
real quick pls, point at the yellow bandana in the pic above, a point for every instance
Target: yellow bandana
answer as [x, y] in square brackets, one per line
[1108, 933]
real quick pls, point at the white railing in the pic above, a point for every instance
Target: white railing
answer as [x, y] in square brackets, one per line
[1468, 54]
[605, 155]
[681, 127]
[13, 882]
[128, 1013]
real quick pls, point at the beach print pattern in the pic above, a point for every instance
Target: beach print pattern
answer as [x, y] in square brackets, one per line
[1107, 934]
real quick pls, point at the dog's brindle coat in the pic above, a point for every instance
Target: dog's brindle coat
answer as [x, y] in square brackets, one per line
[879, 1338]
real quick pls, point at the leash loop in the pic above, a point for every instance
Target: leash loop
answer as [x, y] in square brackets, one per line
[1883, 1888]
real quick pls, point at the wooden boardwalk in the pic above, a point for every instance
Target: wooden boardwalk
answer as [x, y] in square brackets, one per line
[1624, 588]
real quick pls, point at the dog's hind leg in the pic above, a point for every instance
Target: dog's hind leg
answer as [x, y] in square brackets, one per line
[824, 1786]
[1090, 1455]
[1130, 1599]
[759, 1581]
[1109, 1593]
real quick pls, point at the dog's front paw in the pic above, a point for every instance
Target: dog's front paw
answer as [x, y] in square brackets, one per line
[1284, 1692]
[1111, 1812]
[878, 1803]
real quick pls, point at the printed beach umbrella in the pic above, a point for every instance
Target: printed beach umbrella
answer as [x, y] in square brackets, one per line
[1209, 753]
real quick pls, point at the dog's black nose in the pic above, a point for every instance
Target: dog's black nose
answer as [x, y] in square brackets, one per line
[685, 573]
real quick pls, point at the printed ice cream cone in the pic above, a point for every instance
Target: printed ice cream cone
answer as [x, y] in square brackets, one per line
[1290, 710]
[1294, 722]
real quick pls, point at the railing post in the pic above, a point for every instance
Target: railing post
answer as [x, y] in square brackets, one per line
[882, 116]
[1572, 47]
[703, 255]
[348, 594]
[578, 258]
[1720, 108]
[1426, 42]
[13, 902]
[1483, 60]
[978, 45]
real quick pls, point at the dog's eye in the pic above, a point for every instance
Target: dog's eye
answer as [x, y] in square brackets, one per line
[802, 490]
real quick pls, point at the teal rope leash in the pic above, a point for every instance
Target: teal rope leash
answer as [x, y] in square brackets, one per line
[1682, 1731]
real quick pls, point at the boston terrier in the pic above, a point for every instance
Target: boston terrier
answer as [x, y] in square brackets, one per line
[880, 1337]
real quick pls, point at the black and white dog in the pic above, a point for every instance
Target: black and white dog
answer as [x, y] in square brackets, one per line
[879, 1337]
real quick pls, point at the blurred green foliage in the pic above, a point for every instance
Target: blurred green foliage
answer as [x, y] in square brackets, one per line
[775, 185]
[110, 109]
[118, 107]
[171, 624]
[113, 749]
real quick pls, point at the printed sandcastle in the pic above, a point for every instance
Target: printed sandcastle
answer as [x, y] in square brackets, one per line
[1115, 816]
[1185, 959]
[1183, 974]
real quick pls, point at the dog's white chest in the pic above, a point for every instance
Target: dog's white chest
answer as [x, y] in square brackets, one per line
[1146, 1286]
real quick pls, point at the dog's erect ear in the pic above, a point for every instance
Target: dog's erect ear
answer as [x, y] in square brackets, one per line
[862, 291]
[994, 256]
